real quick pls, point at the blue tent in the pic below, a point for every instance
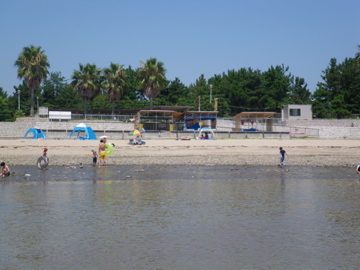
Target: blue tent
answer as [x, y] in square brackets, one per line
[206, 130]
[37, 133]
[84, 130]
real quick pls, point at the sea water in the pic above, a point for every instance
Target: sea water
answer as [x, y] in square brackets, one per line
[180, 217]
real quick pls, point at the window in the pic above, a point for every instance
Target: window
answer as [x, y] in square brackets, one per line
[295, 112]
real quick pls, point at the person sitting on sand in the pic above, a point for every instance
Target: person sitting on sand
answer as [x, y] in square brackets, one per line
[5, 170]
[137, 140]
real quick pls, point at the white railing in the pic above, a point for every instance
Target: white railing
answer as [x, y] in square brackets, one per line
[103, 117]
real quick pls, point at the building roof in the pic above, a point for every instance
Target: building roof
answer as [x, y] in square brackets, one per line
[257, 115]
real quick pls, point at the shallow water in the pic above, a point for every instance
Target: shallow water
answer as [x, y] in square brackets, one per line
[181, 217]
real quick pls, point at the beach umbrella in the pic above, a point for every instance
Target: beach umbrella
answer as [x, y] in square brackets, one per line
[135, 132]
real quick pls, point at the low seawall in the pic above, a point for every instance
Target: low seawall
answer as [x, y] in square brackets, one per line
[327, 129]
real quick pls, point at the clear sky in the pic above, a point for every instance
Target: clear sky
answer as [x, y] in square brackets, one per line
[191, 37]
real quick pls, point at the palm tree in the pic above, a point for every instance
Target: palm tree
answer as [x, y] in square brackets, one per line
[114, 82]
[87, 82]
[32, 65]
[152, 78]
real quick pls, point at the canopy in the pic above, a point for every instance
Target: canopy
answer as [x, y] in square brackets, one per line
[86, 130]
[206, 129]
[37, 133]
[257, 115]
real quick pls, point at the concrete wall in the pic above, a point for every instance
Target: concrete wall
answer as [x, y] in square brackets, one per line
[116, 130]
[330, 128]
[335, 129]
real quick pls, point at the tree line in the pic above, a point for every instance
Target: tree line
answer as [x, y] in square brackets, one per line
[116, 87]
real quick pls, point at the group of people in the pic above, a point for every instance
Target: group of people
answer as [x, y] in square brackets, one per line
[5, 170]
[206, 136]
[137, 141]
[102, 153]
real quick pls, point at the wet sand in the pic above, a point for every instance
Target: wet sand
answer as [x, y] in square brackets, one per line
[240, 152]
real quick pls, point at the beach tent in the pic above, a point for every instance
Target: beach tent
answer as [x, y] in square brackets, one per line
[37, 133]
[206, 129]
[83, 132]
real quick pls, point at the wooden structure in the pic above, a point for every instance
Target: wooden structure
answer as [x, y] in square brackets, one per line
[154, 120]
[173, 120]
[195, 120]
[244, 120]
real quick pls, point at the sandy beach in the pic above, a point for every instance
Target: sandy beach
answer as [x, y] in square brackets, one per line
[258, 152]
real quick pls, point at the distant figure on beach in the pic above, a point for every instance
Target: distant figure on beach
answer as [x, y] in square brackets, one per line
[94, 157]
[45, 158]
[282, 156]
[102, 160]
[5, 170]
[358, 169]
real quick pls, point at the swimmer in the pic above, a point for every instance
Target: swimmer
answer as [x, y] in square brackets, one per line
[5, 170]
[358, 169]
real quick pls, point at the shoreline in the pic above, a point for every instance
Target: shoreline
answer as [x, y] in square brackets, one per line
[240, 152]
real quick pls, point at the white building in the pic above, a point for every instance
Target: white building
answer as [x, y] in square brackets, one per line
[297, 112]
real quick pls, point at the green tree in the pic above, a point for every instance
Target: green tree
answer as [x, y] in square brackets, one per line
[133, 93]
[3, 93]
[174, 91]
[25, 97]
[114, 83]
[32, 65]
[6, 114]
[87, 82]
[338, 94]
[299, 94]
[57, 93]
[152, 78]
[277, 86]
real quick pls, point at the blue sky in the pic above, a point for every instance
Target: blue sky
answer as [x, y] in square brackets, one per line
[191, 37]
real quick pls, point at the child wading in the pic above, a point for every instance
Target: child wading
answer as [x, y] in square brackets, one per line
[282, 157]
[45, 159]
[5, 170]
[94, 159]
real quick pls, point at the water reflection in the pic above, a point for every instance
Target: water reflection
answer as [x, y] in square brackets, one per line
[122, 218]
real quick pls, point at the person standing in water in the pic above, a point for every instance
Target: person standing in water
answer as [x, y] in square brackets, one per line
[45, 158]
[94, 157]
[102, 160]
[282, 156]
